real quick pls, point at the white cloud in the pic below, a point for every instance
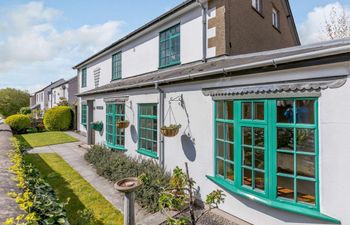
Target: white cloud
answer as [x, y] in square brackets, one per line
[312, 29]
[33, 50]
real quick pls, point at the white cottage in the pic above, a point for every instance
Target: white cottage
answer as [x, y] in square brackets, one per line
[265, 127]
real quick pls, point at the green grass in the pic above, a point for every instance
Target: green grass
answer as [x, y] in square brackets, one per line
[67, 183]
[45, 139]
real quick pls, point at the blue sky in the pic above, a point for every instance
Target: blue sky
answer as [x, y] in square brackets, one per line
[41, 40]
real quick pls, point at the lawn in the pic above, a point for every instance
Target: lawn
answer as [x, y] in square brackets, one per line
[68, 184]
[45, 139]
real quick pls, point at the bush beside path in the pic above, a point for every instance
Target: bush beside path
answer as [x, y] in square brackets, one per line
[9, 207]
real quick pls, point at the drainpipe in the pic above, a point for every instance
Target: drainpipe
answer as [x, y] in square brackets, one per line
[204, 29]
[161, 123]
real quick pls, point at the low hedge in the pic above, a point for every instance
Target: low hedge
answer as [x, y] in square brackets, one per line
[116, 165]
[19, 123]
[58, 118]
[37, 198]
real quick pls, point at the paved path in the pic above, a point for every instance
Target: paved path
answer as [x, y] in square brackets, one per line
[73, 154]
[8, 206]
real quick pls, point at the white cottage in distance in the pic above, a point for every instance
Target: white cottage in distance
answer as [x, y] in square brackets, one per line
[258, 112]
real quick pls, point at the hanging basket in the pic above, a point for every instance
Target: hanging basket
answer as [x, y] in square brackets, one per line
[171, 130]
[123, 124]
[97, 126]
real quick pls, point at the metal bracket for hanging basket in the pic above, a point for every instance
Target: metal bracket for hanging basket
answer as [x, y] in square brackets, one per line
[179, 99]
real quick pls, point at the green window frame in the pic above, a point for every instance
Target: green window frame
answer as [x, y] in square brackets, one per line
[115, 137]
[169, 47]
[117, 66]
[83, 77]
[148, 130]
[84, 112]
[271, 127]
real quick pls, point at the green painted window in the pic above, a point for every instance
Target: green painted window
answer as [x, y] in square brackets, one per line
[83, 78]
[169, 47]
[269, 149]
[117, 66]
[84, 112]
[148, 129]
[115, 137]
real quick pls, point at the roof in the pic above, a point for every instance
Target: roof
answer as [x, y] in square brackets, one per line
[292, 21]
[65, 82]
[133, 33]
[225, 64]
[57, 82]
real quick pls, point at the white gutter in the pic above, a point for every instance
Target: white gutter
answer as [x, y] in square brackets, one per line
[271, 62]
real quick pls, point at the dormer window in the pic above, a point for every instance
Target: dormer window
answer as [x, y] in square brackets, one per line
[275, 18]
[256, 4]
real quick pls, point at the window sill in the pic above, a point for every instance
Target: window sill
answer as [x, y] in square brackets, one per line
[119, 148]
[170, 65]
[299, 210]
[258, 12]
[115, 79]
[147, 153]
[277, 29]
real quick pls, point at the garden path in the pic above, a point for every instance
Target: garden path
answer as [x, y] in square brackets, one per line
[73, 154]
[8, 206]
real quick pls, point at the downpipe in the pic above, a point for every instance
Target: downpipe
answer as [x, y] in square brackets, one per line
[204, 29]
[161, 124]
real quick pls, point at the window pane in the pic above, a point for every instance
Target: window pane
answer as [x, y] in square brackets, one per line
[305, 111]
[247, 177]
[305, 140]
[220, 110]
[259, 181]
[229, 152]
[259, 134]
[306, 165]
[285, 187]
[229, 110]
[246, 110]
[220, 151]
[247, 135]
[247, 156]
[229, 171]
[220, 167]
[285, 163]
[259, 111]
[285, 111]
[229, 132]
[220, 131]
[285, 138]
[306, 191]
[259, 159]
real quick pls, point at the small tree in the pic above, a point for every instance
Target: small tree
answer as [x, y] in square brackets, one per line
[12, 100]
[179, 196]
[337, 25]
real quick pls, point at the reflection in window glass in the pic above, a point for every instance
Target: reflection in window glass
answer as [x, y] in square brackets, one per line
[229, 171]
[306, 165]
[285, 187]
[229, 110]
[247, 156]
[285, 138]
[285, 111]
[305, 111]
[247, 110]
[247, 135]
[306, 191]
[259, 159]
[259, 113]
[229, 151]
[285, 163]
[305, 140]
[220, 131]
[259, 180]
[220, 165]
[220, 109]
[220, 150]
[247, 177]
[259, 137]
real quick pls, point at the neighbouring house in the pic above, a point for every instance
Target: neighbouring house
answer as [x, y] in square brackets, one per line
[269, 128]
[64, 91]
[40, 99]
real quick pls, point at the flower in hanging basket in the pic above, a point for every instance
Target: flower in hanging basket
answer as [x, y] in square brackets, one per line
[123, 124]
[170, 131]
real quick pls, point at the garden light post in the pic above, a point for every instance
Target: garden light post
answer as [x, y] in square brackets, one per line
[128, 186]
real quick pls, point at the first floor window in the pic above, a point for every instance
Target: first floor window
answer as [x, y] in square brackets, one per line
[83, 77]
[84, 109]
[148, 126]
[275, 18]
[169, 46]
[117, 66]
[257, 5]
[268, 148]
[115, 137]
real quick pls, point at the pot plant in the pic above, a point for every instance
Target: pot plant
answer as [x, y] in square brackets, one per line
[98, 126]
[170, 131]
[123, 124]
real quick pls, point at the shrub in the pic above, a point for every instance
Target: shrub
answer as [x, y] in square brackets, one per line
[19, 123]
[116, 165]
[25, 110]
[37, 198]
[58, 118]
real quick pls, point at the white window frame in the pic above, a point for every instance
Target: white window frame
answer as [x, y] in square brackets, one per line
[275, 18]
[256, 4]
